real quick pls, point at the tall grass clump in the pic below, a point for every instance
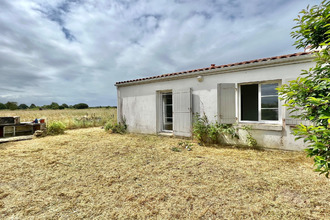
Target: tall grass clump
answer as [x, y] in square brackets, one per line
[55, 128]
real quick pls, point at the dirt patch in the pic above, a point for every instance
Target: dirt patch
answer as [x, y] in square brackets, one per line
[88, 173]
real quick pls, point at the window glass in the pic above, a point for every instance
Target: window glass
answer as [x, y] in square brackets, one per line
[269, 114]
[249, 102]
[269, 89]
[269, 102]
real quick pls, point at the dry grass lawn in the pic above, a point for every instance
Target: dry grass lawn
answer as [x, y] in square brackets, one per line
[88, 173]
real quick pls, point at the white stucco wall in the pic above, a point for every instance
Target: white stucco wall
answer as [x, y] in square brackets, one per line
[137, 102]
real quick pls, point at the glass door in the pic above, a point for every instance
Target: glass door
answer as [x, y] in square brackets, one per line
[167, 111]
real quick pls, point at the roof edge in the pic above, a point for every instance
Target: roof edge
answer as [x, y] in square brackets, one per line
[244, 64]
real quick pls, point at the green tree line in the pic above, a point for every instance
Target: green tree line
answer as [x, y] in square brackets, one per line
[53, 105]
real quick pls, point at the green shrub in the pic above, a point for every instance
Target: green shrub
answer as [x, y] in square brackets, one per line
[207, 133]
[55, 128]
[185, 145]
[251, 142]
[311, 90]
[108, 126]
[176, 149]
[200, 128]
[119, 128]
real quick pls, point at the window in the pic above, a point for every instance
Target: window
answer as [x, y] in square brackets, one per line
[259, 102]
[167, 112]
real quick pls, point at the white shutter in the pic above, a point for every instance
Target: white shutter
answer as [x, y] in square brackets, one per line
[226, 103]
[288, 119]
[182, 113]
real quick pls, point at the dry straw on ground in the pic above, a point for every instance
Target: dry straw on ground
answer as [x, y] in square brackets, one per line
[89, 173]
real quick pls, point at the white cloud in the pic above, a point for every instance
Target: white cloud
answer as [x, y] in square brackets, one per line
[71, 51]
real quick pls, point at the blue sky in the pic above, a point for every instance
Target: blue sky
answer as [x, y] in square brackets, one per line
[72, 51]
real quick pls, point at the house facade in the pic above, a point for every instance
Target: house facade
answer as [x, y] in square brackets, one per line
[240, 93]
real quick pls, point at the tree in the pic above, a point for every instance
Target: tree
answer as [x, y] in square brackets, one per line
[45, 107]
[23, 106]
[3, 106]
[80, 106]
[310, 93]
[33, 106]
[63, 106]
[54, 105]
[12, 105]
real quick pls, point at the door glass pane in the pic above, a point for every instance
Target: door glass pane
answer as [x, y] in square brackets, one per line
[168, 99]
[168, 127]
[167, 112]
[269, 102]
[269, 114]
[269, 89]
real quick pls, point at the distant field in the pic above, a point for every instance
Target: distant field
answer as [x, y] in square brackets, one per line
[91, 174]
[73, 118]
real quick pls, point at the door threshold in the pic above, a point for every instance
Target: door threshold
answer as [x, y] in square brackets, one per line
[166, 134]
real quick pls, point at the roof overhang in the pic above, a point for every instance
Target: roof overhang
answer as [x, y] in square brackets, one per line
[247, 65]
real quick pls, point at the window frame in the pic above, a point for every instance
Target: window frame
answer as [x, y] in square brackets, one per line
[259, 83]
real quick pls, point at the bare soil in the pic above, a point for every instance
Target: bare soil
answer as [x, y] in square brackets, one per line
[88, 173]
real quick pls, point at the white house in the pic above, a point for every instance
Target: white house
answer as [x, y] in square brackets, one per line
[239, 93]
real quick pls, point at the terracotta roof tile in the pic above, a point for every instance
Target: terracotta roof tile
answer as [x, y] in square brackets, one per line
[213, 66]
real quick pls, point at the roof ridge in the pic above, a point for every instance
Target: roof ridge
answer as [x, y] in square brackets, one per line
[213, 66]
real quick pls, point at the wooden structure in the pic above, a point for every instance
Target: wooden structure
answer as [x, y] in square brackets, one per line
[11, 127]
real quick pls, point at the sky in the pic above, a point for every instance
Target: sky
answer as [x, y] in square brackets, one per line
[74, 51]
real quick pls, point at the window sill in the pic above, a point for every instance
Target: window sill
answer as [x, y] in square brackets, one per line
[268, 127]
